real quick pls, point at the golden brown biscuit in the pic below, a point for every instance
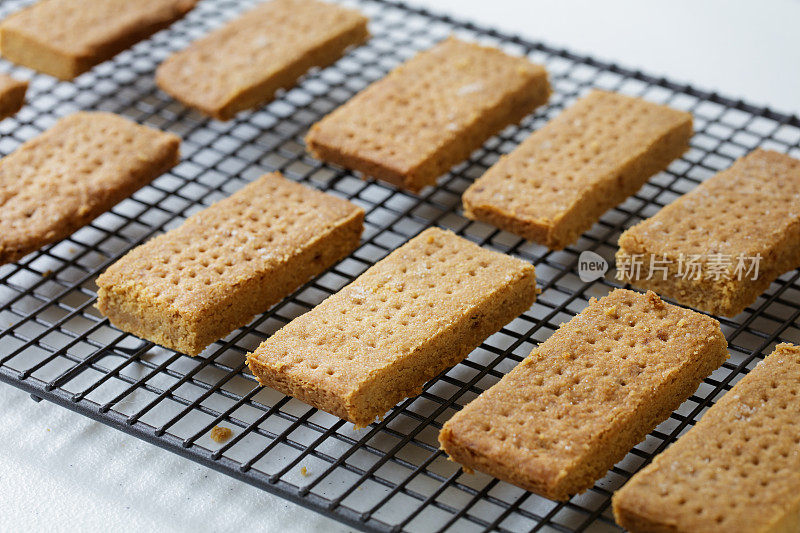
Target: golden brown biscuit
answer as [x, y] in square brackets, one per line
[430, 113]
[65, 38]
[12, 95]
[197, 283]
[78, 169]
[561, 179]
[737, 470]
[581, 400]
[718, 247]
[241, 65]
[413, 314]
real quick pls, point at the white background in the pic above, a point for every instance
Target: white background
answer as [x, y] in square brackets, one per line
[741, 48]
[60, 471]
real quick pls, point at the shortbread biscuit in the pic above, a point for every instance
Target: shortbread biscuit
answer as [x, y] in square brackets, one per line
[718, 247]
[413, 314]
[430, 113]
[581, 400]
[241, 65]
[12, 95]
[65, 38]
[736, 470]
[78, 169]
[195, 284]
[561, 179]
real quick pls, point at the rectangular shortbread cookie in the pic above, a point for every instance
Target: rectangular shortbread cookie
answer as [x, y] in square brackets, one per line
[78, 169]
[65, 38]
[413, 314]
[195, 284]
[581, 400]
[718, 247]
[561, 179]
[430, 113]
[12, 95]
[241, 65]
[736, 470]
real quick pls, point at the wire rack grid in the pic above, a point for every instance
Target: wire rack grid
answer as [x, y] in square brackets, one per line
[390, 476]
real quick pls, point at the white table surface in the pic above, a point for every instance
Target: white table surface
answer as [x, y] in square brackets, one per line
[62, 472]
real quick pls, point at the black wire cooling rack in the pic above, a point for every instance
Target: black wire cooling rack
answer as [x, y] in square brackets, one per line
[391, 475]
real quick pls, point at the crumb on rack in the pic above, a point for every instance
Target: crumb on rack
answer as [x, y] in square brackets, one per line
[220, 434]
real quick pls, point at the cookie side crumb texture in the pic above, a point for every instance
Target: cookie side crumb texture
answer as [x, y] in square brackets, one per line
[241, 65]
[560, 180]
[195, 284]
[581, 400]
[65, 38]
[78, 169]
[741, 224]
[430, 113]
[415, 313]
[737, 470]
[12, 95]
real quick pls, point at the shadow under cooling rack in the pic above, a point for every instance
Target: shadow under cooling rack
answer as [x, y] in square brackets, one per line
[391, 475]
